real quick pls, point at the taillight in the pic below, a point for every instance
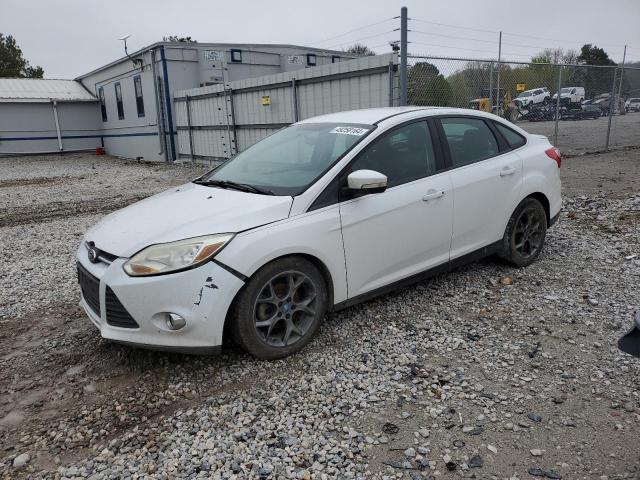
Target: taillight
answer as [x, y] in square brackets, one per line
[554, 154]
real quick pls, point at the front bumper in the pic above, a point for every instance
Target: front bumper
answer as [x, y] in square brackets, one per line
[202, 296]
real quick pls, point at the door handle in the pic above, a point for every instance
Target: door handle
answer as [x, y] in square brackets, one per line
[432, 195]
[507, 171]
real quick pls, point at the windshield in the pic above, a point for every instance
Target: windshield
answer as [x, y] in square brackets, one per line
[525, 94]
[288, 161]
[565, 90]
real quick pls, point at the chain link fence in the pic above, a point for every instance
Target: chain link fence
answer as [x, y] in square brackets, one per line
[583, 118]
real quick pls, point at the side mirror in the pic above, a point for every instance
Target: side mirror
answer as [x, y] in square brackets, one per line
[364, 182]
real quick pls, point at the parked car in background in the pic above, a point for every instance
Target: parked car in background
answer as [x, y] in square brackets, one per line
[603, 101]
[536, 96]
[586, 111]
[632, 105]
[570, 95]
[323, 214]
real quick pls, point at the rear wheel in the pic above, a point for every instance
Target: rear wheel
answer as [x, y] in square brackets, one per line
[280, 308]
[525, 233]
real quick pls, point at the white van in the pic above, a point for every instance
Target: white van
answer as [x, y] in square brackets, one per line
[570, 94]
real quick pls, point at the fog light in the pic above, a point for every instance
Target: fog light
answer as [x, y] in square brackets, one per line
[175, 321]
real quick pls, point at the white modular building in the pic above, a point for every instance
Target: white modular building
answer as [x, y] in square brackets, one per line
[44, 116]
[135, 93]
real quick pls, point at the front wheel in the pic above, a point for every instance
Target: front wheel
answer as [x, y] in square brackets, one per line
[280, 309]
[525, 233]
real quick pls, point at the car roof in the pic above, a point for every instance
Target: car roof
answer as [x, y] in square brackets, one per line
[367, 116]
[392, 115]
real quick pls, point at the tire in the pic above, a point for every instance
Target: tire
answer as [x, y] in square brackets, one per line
[529, 218]
[280, 308]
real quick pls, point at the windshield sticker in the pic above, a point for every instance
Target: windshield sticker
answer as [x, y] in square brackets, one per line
[350, 131]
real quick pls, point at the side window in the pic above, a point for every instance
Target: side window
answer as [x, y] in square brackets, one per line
[403, 155]
[469, 139]
[103, 105]
[137, 85]
[514, 139]
[118, 89]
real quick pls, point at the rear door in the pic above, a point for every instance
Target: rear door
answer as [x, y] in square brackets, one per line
[406, 229]
[486, 175]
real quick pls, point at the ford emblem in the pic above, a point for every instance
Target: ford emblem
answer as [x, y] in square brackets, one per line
[93, 255]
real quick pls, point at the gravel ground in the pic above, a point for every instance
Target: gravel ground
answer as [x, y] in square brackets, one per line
[580, 136]
[484, 372]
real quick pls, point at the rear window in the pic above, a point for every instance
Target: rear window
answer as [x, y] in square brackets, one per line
[514, 139]
[470, 140]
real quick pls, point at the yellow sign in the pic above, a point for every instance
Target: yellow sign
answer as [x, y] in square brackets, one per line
[521, 87]
[266, 100]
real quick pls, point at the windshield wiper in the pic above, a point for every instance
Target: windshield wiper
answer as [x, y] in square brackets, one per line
[243, 187]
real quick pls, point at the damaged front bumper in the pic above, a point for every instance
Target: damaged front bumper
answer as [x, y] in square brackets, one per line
[136, 310]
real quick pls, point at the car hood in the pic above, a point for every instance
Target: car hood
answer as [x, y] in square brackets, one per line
[186, 211]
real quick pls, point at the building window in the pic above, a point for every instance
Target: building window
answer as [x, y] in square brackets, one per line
[137, 85]
[236, 55]
[335, 58]
[103, 105]
[119, 101]
[311, 59]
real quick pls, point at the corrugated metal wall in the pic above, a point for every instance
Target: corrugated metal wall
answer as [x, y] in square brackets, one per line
[215, 122]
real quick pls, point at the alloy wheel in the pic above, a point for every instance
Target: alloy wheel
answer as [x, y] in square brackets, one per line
[529, 233]
[285, 309]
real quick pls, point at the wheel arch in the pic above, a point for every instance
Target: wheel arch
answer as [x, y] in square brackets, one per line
[542, 198]
[319, 264]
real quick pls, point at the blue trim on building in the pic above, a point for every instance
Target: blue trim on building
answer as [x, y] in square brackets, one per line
[15, 139]
[167, 96]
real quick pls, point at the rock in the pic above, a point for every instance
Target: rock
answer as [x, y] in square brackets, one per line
[476, 462]
[402, 464]
[492, 448]
[21, 460]
[539, 472]
[410, 452]
[536, 452]
[534, 417]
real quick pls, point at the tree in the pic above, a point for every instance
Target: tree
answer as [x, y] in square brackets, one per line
[427, 86]
[359, 50]
[596, 80]
[12, 63]
[556, 55]
[592, 55]
[177, 39]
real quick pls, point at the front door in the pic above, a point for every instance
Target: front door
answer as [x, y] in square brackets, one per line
[406, 229]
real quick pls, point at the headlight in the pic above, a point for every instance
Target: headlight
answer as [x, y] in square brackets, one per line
[174, 256]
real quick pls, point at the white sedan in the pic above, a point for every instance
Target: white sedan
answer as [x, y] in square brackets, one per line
[321, 215]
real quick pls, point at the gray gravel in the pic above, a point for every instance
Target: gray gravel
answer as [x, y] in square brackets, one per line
[485, 372]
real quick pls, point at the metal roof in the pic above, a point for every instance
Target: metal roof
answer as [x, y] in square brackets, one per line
[43, 90]
[215, 45]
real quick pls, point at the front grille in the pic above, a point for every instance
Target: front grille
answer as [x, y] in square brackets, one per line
[117, 315]
[90, 287]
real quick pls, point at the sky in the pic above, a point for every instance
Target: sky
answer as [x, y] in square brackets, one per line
[71, 37]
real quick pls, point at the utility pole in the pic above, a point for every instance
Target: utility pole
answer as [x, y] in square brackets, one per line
[403, 56]
[498, 96]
